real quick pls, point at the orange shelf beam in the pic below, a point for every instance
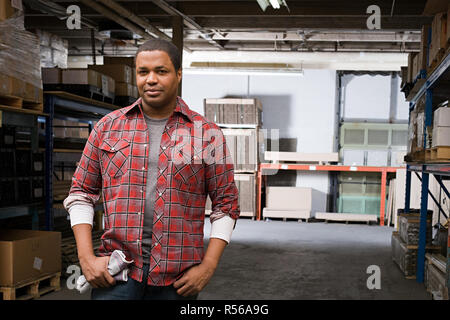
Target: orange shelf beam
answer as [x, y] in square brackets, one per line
[312, 167]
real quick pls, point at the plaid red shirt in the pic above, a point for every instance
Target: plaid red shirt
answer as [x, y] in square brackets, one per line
[114, 160]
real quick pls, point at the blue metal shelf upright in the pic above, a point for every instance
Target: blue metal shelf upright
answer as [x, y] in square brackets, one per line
[63, 105]
[436, 89]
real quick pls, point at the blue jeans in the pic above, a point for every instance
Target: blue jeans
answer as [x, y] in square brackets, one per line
[135, 290]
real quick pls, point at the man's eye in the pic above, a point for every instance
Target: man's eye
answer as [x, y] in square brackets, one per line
[162, 71]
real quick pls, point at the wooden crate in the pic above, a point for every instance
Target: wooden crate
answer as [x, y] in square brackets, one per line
[32, 289]
[409, 225]
[234, 111]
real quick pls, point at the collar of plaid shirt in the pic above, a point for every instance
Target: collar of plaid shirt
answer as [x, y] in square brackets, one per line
[115, 161]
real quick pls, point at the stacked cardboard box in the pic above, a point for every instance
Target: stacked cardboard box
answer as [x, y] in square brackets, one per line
[438, 37]
[70, 129]
[244, 147]
[441, 127]
[123, 76]
[19, 56]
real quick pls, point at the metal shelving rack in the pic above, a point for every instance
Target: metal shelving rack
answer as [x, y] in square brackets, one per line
[65, 105]
[29, 209]
[436, 89]
[327, 168]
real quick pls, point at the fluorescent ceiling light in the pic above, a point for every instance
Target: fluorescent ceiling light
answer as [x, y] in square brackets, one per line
[276, 4]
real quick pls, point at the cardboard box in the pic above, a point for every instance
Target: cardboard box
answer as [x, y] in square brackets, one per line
[32, 93]
[6, 10]
[106, 83]
[28, 254]
[17, 87]
[51, 75]
[119, 72]
[441, 117]
[441, 137]
[80, 76]
[5, 84]
[124, 89]
[438, 35]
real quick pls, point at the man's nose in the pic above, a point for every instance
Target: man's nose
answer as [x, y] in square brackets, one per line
[151, 78]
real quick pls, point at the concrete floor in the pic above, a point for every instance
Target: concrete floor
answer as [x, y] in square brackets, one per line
[291, 260]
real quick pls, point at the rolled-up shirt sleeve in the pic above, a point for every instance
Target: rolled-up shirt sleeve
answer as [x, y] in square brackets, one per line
[86, 183]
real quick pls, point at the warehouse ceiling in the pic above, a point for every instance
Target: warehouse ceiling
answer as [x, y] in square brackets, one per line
[301, 26]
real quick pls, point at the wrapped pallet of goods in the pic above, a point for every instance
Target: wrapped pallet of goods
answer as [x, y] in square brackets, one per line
[20, 80]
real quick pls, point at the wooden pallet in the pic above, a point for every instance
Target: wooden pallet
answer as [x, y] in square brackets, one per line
[417, 156]
[32, 289]
[20, 103]
[438, 154]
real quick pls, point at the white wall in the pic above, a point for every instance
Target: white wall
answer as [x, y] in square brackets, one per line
[300, 107]
[369, 97]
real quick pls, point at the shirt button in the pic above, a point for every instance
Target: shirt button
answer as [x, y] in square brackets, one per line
[160, 194]
[143, 168]
[142, 190]
[113, 149]
[164, 148]
[161, 171]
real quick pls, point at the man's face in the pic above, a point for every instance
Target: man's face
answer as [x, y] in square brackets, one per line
[156, 78]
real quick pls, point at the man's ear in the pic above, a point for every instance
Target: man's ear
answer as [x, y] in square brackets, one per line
[179, 75]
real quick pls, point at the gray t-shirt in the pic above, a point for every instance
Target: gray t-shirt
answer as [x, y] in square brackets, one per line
[155, 131]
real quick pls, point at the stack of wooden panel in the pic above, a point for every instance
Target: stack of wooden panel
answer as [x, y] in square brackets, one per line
[290, 202]
[240, 120]
[234, 111]
[246, 185]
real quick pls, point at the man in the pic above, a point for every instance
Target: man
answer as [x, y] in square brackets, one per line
[154, 203]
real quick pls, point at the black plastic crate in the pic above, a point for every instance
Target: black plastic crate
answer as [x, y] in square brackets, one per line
[38, 164]
[7, 192]
[6, 163]
[23, 163]
[7, 137]
[37, 189]
[24, 195]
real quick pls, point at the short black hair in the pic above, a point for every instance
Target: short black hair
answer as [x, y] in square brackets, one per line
[162, 45]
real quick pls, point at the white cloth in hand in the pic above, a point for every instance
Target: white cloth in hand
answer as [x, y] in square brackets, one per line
[117, 268]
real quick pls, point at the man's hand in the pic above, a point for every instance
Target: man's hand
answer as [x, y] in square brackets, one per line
[194, 279]
[95, 270]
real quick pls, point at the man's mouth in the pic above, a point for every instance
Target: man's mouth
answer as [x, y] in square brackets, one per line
[152, 93]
